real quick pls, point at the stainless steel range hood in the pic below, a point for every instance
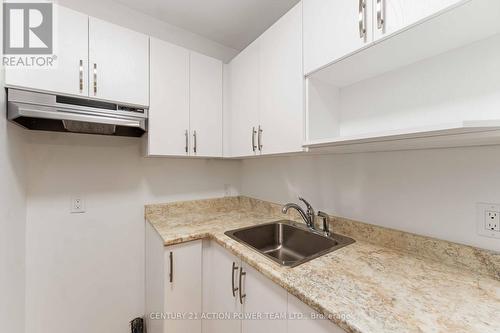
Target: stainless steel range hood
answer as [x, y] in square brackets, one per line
[49, 112]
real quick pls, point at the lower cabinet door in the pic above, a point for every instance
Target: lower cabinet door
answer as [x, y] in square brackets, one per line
[303, 319]
[183, 287]
[264, 304]
[221, 306]
[264, 307]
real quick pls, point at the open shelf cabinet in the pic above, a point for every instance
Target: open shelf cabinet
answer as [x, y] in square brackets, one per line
[435, 84]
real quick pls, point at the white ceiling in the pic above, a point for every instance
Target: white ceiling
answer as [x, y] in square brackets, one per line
[232, 23]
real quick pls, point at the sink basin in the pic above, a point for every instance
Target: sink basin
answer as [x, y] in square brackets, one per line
[288, 243]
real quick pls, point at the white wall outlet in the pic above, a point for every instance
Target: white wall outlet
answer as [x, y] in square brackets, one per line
[77, 205]
[492, 220]
[488, 220]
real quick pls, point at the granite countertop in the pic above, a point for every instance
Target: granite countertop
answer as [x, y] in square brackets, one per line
[363, 287]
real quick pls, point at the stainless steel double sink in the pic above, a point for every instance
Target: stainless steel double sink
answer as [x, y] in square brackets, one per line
[288, 243]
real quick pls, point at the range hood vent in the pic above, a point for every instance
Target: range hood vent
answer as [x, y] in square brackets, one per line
[49, 112]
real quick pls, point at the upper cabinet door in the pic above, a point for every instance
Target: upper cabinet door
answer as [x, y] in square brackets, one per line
[118, 63]
[282, 85]
[393, 15]
[205, 105]
[69, 74]
[333, 29]
[168, 132]
[244, 102]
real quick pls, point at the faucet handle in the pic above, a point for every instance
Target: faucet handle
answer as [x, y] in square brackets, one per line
[308, 205]
[309, 213]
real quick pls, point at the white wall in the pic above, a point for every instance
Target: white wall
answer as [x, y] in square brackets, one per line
[12, 224]
[12, 219]
[118, 14]
[85, 272]
[428, 192]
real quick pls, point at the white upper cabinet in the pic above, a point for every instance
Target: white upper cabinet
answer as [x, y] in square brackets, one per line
[244, 102]
[70, 72]
[94, 59]
[185, 114]
[118, 60]
[282, 85]
[205, 105]
[168, 132]
[393, 15]
[407, 89]
[334, 28]
[266, 91]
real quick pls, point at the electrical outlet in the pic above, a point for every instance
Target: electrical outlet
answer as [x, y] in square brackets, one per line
[488, 220]
[492, 220]
[77, 205]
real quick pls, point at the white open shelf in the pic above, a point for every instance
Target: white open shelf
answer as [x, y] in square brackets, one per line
[463, 127]
[419, 141]
[436, 84]
[459, 134]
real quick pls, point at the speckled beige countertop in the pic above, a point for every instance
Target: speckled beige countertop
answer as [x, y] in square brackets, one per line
[363, 287]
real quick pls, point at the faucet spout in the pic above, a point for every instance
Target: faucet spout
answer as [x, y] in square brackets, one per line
[305, 216]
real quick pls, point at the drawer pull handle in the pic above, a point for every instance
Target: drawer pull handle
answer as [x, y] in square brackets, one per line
[259, 139]
[233, 289]
[171, 274]
[195, 145]
[95, 79]
[362, 18]
[80, 76]
[380, 14]
[254, 147]
[240, 287]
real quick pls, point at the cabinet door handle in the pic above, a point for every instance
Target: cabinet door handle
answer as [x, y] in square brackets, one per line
[195, 145]
[381, 14]
[362, 18]
[171, 274]
[259, 138]
[254, 147]
[95, 79]
[186, 147]
[240, 287]
[80, 76]
[233, 289]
